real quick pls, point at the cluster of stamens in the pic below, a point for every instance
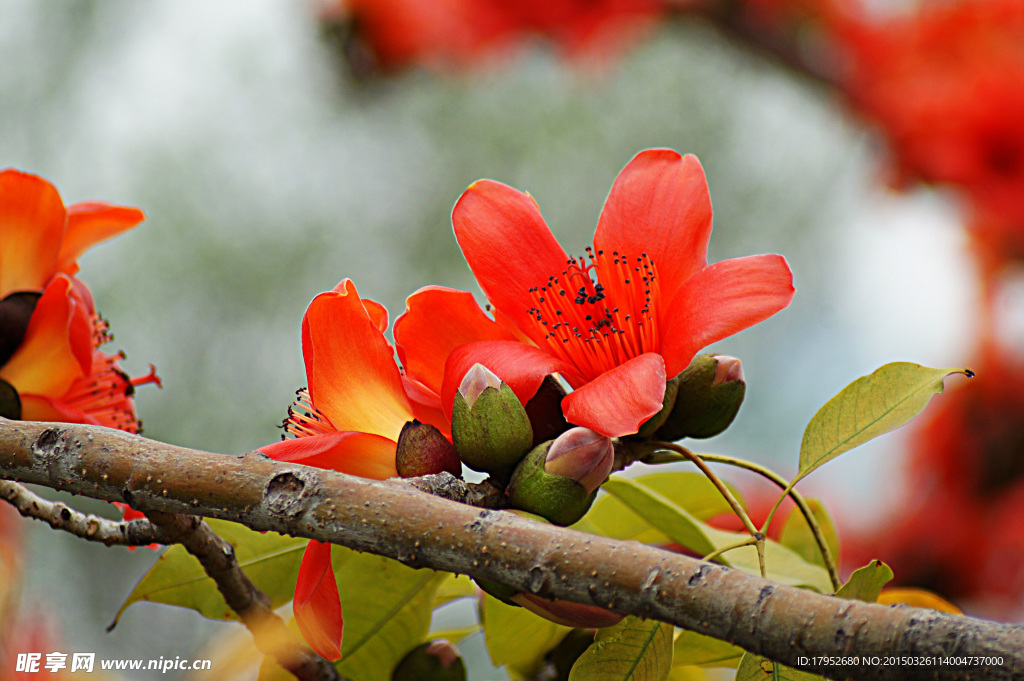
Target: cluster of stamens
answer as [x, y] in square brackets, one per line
[304, 419]
[611, 316]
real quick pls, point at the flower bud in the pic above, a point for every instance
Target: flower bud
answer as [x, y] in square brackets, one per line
[651, 425]
[436, 660]
[709, 395]
[559, 479]
[545, 411]
[10, 401]
[423, 450]
[500, 591]
[490, 428]
[568, 614]
[583, 455]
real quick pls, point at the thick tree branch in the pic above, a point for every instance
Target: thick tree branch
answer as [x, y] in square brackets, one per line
[392, 519]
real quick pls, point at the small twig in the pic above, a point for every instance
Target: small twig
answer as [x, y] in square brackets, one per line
[87, 526]
[756, 534]
[252, 606]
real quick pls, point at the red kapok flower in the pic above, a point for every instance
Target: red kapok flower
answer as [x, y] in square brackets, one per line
[51, 332]
[348, 420]
[614, 324]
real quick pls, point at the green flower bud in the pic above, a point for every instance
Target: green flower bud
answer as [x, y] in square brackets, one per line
[651, 425]
[490, 428]
[559, 479]
[435, 660]
[709, 395]
[423, 450]
[500, 591]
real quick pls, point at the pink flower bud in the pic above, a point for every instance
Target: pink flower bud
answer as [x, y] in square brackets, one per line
[443, 650]
[568, 614]
[582, 455]
[476, 380]
[728, 369]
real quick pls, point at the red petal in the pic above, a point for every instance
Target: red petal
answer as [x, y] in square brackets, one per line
[57, 348]
[426, 406]
[88, 224]
[723, 299]
[317, 604]
[353, 379]
[522, 366]
[509, 248]
[32, 220]
[659, 205]
[438, 320]
[618, 401]
[362, 454]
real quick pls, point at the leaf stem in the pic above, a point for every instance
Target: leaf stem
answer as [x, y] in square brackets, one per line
[755, 534]
[717, 552]
[812, 522]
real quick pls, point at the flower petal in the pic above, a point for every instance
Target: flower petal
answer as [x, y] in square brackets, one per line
[659, 205]
[40, 408]
[90, 223]
[618, 401]
[723, 299]
[353, 379]
[436, 321]
[362, 454]
[522, 366]
[57, 348]
[317, 604]
[509, 248]
[32, 220]
[426, 406]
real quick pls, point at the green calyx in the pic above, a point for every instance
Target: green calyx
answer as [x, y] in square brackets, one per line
[10, 401]
[651, 425]
[561, 500]
[493, 433]
[704, 405]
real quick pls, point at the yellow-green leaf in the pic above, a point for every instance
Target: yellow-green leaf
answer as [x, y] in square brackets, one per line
[757, 668]
[692, 492]
[270, 560]
[687, 673]
[453, 588]
[870, 406]
[691, 648]
[635, 649]
[455, 636]
[782, 565]
[866, 583]
[517, 638]
[387, 608]
[797, 535]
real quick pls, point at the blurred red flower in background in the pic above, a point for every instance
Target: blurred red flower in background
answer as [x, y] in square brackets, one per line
[391, 34]
[50, 364]
[946, 85]
[960, 531]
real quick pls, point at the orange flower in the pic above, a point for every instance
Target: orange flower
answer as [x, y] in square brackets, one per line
[447, 33]
[348, 420]
[51, 333]
[615, 323]
[946, 86]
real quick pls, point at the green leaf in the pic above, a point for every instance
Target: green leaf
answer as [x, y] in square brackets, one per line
[635, 649]
[797, 535]
[866, 583]
[692, 492]
[687, 673]
[782, 565]
[870, 406]
[387, 608]
[453, 588]
[691, 648]
[455, 636]
[517, 638]
[756, 668]
[270, 560]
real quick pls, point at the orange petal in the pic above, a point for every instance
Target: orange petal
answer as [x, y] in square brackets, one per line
[57, 348]
[362, 454]
[426, 406]
[90, 223]
[919, 598]
[39, 408]
[618, 401]
[659, 206]
[317, 604]
[436, 321]
[720, 300]
[353, 379]
[32, 220]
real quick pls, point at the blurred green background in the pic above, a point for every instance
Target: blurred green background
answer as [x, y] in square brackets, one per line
[267, 175]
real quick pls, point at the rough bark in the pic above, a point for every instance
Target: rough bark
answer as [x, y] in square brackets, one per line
[391, 518]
